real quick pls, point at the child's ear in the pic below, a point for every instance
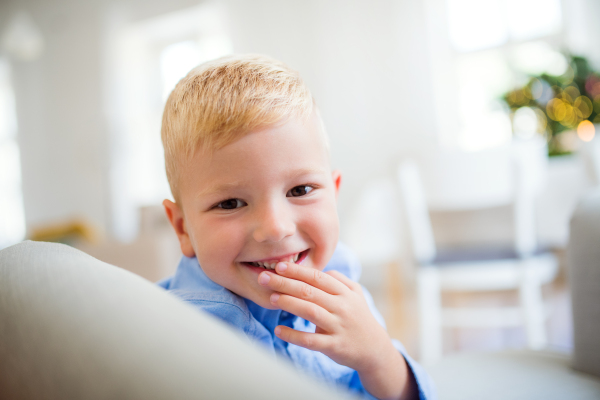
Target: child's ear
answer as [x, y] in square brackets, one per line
[175, 215]
[337, 181]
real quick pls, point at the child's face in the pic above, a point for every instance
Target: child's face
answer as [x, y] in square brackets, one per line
[267, 197]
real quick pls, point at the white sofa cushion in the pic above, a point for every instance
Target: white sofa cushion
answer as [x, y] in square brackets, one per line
[73, 327]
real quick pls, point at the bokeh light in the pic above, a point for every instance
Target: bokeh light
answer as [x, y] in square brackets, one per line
[567, 141]
[517, 98]
[584, 105]
[542, 120]
[572, 92]
[568, 76]
[592, 85]
[536, 89]
[556, 109]
[525, 123]
[586, 131]
[597, 104]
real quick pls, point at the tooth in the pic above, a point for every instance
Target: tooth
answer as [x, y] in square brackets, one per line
[296, 257]
[273, 265]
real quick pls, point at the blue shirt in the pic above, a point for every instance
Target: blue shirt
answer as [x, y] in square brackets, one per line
[192, 285]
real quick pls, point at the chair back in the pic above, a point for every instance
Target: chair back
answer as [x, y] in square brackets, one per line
[415, 213]
[457, 180]
[452, 180]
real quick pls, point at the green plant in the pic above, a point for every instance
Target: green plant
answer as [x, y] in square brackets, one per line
[563, 104]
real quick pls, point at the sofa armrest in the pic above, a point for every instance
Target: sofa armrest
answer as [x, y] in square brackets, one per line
[73, 327]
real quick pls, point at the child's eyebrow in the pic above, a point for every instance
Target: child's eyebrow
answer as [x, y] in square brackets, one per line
[225, 186]
[305, 171]
[221, 187]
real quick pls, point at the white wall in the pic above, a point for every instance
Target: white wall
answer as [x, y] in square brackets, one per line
[364, 61]
[366, 64]
[61, 128]
[582, 31]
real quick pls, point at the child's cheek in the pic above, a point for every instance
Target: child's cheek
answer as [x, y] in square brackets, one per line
[218, 243]
[321, 226]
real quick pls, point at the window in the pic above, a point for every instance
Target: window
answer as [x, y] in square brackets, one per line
[12, 216]
[148, 58]
[481, 49]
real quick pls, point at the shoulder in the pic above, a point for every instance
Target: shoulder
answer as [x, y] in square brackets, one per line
[225, 305]
[191, 285]
[345, 261]
[165, 283]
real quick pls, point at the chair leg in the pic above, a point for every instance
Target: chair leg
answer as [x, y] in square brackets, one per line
[532, 304]
[430, 315]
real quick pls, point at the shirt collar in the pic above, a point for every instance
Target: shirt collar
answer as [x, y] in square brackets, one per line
[190, 278]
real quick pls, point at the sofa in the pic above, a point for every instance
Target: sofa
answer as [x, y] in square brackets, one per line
[73, 327]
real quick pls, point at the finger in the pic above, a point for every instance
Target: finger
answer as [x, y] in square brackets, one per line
[312, 276]
[304, 309]
[296, 288]
[311, 341]
[343, 279]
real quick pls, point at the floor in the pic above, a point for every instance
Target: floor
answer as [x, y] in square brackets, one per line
[397, 302]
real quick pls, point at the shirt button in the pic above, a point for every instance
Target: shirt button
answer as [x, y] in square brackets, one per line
[284, 314]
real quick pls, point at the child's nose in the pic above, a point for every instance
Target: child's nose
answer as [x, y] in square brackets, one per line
[274, 223]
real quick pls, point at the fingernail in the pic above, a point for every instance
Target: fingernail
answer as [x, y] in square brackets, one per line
[281, 267]
[274, 298]
[277, 331]
[264, 278]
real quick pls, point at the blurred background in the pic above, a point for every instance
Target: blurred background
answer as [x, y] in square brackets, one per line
[507, 89]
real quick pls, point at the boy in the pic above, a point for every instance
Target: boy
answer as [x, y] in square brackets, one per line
[255, 212]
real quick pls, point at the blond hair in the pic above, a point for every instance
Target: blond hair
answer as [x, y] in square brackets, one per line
[220, 101]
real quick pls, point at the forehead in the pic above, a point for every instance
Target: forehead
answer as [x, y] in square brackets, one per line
[265, 156]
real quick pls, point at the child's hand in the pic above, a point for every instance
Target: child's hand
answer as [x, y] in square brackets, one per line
[346, 330]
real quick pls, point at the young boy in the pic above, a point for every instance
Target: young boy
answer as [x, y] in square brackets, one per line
[255, 212]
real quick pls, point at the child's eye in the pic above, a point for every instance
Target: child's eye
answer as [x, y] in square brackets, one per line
[298, 191]
[231, 204]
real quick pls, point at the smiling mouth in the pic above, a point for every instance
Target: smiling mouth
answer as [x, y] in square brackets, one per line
[271, 263]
